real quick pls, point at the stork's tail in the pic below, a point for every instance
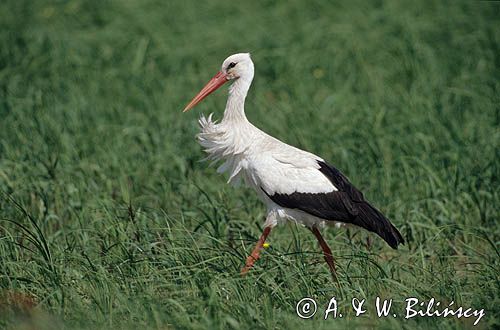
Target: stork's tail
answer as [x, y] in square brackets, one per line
[371, 219]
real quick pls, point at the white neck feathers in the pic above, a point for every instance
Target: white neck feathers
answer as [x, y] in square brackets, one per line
[235, 106]
[231, 138]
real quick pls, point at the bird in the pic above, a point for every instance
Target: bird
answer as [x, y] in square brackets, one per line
[295, 185]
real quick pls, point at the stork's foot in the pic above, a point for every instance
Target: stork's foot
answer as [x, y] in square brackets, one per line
[326, 252]
[255, 255]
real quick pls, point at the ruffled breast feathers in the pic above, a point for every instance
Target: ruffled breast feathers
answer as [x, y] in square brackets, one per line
[222, 144]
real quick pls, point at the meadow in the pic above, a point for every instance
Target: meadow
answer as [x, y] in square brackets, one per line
[109, 218]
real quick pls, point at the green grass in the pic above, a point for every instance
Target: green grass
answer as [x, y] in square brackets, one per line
[109, 219]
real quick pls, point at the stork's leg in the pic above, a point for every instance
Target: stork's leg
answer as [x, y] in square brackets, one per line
[254, 256]
[326, 251]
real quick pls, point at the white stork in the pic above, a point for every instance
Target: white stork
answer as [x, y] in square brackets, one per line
[294, 184]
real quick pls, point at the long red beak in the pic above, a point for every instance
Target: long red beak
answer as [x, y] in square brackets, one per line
[218, 80]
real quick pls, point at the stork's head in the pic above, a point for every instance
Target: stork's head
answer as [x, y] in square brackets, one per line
[236, 66]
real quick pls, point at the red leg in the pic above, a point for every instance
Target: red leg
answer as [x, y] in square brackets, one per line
[252, 258]
[326, 251]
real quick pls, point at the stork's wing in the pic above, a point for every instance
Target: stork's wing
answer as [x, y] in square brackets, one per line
[344, 203]
[280, 168]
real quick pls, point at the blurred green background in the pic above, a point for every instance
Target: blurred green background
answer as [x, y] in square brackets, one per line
[108, 219]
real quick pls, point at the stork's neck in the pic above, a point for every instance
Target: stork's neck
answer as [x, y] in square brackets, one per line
[235, 106]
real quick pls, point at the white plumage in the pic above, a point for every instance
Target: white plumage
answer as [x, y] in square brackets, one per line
[262, 161]
[294, 184]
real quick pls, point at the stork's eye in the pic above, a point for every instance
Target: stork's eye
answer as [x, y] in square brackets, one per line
[231, 65]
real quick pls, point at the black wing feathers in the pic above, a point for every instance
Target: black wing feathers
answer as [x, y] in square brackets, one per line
[327, 206]
[346, 205]
[370, 218]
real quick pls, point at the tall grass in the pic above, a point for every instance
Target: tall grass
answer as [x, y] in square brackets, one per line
[109, 219]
